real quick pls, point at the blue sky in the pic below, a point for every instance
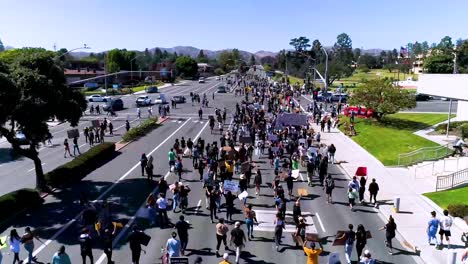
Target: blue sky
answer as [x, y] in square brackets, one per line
[250, 25]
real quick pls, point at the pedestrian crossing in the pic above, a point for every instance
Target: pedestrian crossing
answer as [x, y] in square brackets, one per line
[266, 220]
[181, 120]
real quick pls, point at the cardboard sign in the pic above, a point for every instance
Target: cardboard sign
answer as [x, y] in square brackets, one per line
[243, 195]
[302, 192]
[272, 137]
[95, 123]
[179, 260]
[73, 133]
[232, 186]
[295, 174]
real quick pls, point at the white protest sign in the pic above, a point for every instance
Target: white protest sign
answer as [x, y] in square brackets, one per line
[243, 195]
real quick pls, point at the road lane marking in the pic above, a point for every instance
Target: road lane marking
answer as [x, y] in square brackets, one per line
[320, 222]
[58, 233]
[126, 227]
[302, 178]
[198, 207]
[35, 167]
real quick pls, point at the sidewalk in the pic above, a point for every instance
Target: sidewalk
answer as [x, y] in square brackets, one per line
[396, 182]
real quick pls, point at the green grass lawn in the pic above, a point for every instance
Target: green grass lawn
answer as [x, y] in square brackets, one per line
[394, 135]
[454, 196]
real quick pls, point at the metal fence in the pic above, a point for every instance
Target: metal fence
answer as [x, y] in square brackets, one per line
[423, 154]
[452, 180]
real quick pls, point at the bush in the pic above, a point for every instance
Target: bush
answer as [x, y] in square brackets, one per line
[142, 129]
[15, 202]
[464, 130]
[453, 125]
[81, 166]
[458, 210]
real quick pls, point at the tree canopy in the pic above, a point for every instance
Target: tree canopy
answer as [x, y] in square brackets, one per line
[383, 96]
[186, 66]
[34, 91]
[2, 48]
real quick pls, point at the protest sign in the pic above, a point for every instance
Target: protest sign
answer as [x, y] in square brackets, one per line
[95, 123]
[243, 195]
[179, 260]
[232, 186]
[73, 133]
[295, 174]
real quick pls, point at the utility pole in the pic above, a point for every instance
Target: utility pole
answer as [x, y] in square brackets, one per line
[326, 68]
[455, 71]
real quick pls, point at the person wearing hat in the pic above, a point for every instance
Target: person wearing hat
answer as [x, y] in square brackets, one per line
[173, 246]
[367, 258]
[238, 238]
[225, 259]
[60, 257]
[312, 253]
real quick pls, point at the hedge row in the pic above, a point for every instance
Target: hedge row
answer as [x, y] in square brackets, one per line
[142, 129]
[458, 210]
[81, 166]
[15, 202]
[453, 125]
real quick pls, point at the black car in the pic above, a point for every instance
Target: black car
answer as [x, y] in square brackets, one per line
[423, 97]
[179, 99]
[152, 89]
[115, 105]
[221, 89]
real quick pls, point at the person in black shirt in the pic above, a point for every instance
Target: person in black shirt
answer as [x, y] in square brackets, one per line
[86, 246]
[349, 237]
[238, 238]
[229, 205]
[107, 237]
[182, 229]
[135, 244]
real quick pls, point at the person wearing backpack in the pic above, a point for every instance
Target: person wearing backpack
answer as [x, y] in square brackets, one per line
[349, 237]
[329, 186]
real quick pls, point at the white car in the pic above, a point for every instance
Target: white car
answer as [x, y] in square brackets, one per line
[161, 99]
[98, 98]
[217, 78]
[143, 100]
[201, 80]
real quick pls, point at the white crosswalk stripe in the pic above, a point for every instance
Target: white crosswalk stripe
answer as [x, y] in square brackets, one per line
[266, 220]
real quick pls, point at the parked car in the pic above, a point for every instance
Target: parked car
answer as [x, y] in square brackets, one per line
[221, 89]
[218, 78]
[423, 97]
[161, 99]
[179, 99]
[114, 104]
[98, 98]
[201, 80]
[152, 89]
[322, 97]
[143, 100]
[336, 97]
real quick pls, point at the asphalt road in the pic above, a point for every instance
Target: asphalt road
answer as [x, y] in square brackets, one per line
[121, 183]
[436, 106]
[22, 170]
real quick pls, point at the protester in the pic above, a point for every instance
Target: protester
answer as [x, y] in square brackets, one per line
[15, 241]
[373, 190]
[182, 227]
[390, 232]
[432, 227]
[135, 239]
[238, 238]
[445, 225]
[86, 246]
[173, 246]
[60, 257]
[350, 237]
[221, 235]
[312, 253]
[250, 218]
[361, 239]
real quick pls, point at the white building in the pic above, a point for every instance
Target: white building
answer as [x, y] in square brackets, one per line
[452, 86]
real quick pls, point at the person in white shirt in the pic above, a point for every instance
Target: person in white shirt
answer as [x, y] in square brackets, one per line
[445, 224]
[162, 207]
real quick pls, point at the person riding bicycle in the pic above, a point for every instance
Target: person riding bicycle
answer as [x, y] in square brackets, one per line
[458, 146]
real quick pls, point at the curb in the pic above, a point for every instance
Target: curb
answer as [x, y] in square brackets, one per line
[123, 145]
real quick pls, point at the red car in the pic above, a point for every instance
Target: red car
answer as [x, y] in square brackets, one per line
[359, 111]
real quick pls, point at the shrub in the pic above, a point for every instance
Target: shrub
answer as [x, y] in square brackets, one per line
[81, 166]
[464, 130]
[458, 210]
[142, 129]
[15, 202]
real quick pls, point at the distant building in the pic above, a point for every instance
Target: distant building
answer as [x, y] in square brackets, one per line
[74, 75]
[204, 67]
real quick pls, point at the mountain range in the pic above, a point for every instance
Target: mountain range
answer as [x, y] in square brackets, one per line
[193, 52]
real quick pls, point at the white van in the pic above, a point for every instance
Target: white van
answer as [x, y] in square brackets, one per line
[161, 99]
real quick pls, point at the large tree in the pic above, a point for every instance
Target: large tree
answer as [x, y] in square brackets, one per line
[462, 56]
[33, 91]
[300, 43]
[202, 58]
[439, 63]
[186, 66]
[383, 96]
[119, 60]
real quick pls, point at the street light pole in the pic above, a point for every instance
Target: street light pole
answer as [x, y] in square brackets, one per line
[455, 71]
[326, 69]
[84, 47]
